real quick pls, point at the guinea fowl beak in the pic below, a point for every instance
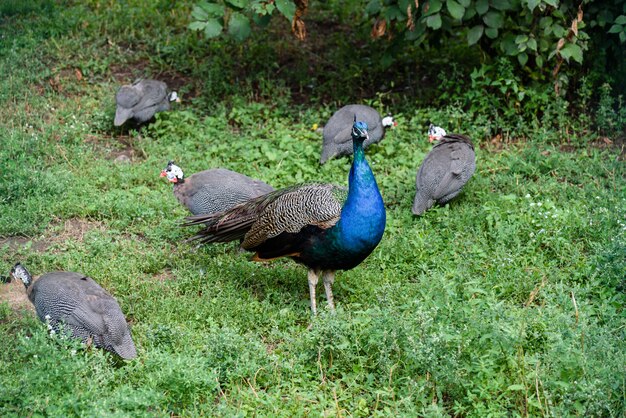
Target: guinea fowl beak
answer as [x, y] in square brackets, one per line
[431, 138]
[395, 123]
[163, 173]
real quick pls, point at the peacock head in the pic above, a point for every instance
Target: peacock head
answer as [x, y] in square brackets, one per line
[173, 173]
[435, 133]
[19, 272]
[359, 131]
[388, 121]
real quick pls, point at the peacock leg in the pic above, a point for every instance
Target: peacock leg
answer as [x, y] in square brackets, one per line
[313, 276]
[329, 279]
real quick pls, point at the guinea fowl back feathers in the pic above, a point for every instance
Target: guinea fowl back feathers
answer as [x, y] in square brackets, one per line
[444, 172]
[213, 190]
[141, 101]
[337, 131]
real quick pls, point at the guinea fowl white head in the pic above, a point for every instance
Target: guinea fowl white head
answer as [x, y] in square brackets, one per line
[173, 173]
[18, 272]
[389, 122]
[435, 133]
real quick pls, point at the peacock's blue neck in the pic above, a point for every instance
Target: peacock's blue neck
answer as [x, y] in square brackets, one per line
[363, 217]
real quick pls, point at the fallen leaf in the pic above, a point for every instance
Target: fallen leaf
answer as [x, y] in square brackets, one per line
[410, 24]
[380, 26]
[575, 27]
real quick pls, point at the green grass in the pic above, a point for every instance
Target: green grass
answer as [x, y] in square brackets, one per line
[507, 302]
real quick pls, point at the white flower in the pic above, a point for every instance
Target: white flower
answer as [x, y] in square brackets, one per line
[539, 204]
[527, 196]
[532, 203]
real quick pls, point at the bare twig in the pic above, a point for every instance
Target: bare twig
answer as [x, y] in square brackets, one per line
[319, 363]
[534, 292]
[575, 305]
[537, 389]
[252, 387]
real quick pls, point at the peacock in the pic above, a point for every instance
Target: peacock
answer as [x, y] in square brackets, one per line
[142, 100]
[322, 226]
[445, 170]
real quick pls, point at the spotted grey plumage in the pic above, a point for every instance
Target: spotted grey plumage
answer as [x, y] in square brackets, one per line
[142, 100]
[214, 190]
[337, 131]
[84, 309]
[444, 172]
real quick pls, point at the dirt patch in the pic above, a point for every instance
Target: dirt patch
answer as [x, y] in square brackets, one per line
[119, 148]
[63, 81]
[617, 144]
[164, 276]
[57, 232]
[129, 72]
[14, 243]
[14, 294]
[74, 228]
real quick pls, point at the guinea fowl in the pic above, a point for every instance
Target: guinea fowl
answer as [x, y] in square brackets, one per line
[84, 308]
[320, 225]
[214, 190]
[142, 100]
[445, 170]
[337, 131]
